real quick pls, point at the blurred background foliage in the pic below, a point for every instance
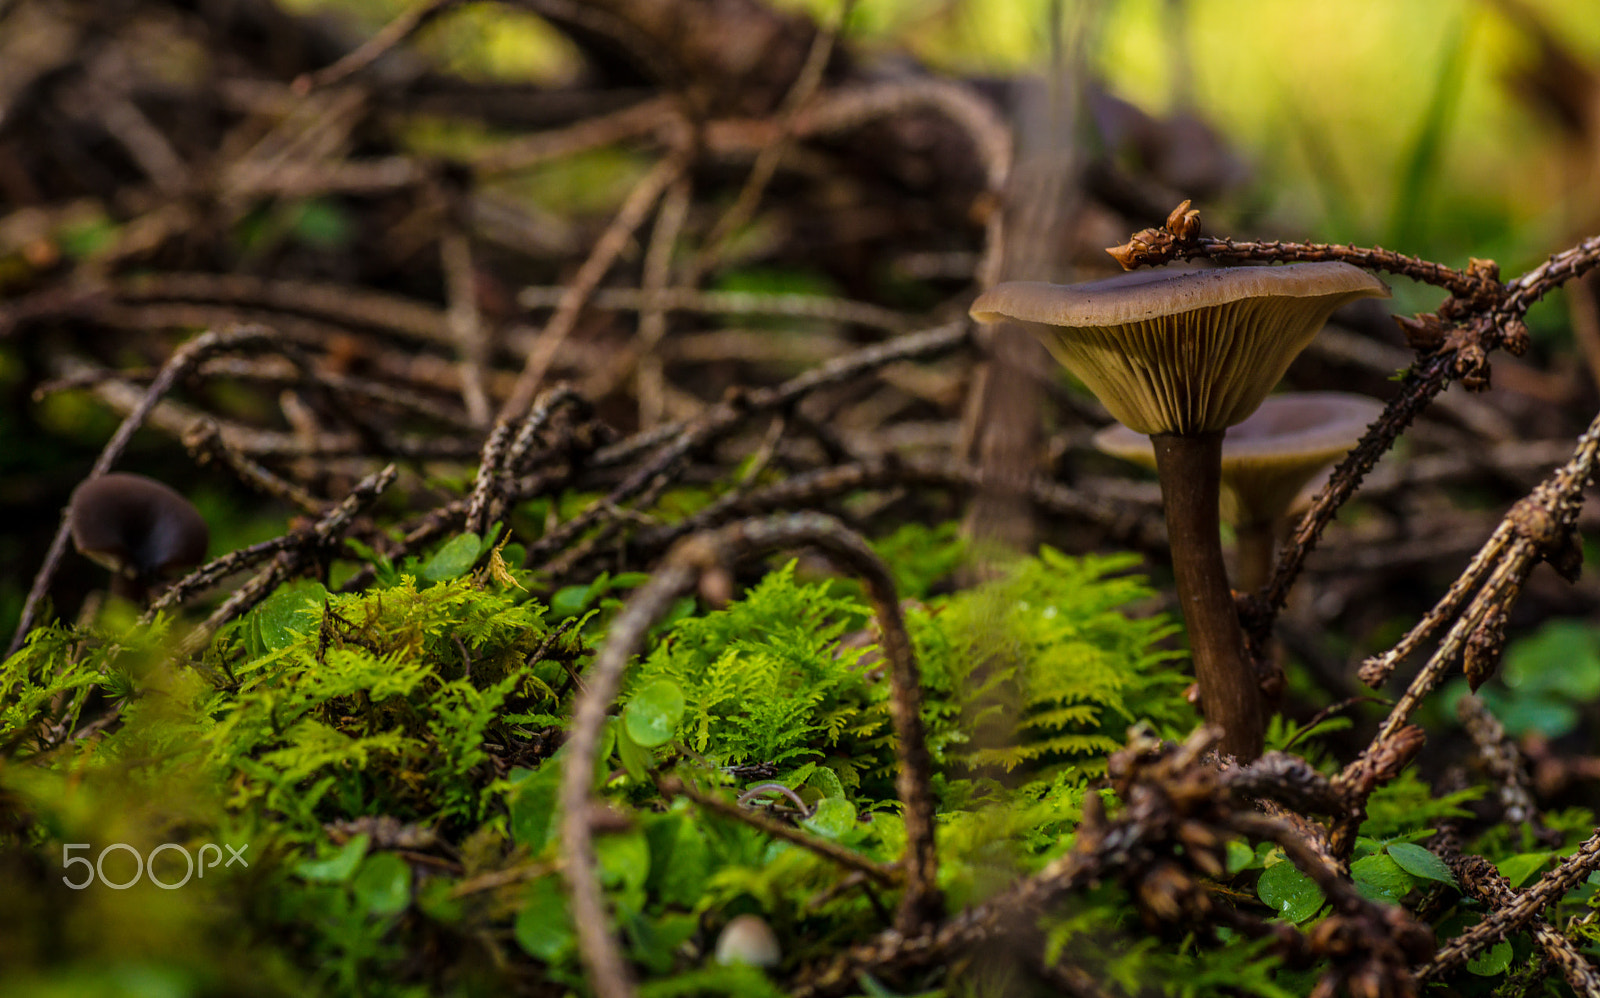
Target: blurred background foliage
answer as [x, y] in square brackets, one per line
[1422, 125]
[1447, 129]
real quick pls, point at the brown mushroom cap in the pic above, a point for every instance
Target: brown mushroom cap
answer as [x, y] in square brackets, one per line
[1185, 353]
[1270, 456]
[136, 526]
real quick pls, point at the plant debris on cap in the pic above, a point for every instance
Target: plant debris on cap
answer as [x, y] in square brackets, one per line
[1184, 353]
[136, 526]
[1268, 458]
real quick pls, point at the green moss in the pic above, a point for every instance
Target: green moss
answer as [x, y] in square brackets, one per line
[387, 763]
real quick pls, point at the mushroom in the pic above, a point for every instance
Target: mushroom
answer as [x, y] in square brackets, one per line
[137, 527]
[1267, 461]
[1181, 357]
[748, 939]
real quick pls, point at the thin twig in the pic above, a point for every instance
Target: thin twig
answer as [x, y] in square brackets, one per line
[1539, 525]
[767, 160]
[1153, 247]
[466, 322]
[608, 973]
[489, 463]
[649, 384]
[888, 876]
[704, 559]
[177, 420]
[1517, 911]
[1562, 267]
[216, 570]
[1376, 670]
[685, 299]
[1501, 758]
[720, 419]
[591, 133]
[352, 306]
[606, 249]
[205, 444]
[544, 409]
[1480, 879]
[390, 36]
[306, 544]
[1147, 533]
[496, 879]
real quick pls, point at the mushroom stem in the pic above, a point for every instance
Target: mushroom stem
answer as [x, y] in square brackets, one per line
[132, 588]
[1190, 470]
[1254, 544]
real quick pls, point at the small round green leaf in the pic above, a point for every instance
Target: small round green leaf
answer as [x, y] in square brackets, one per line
[435, 900]
[1496, 960]
[680, 860]
[323, 224]
[826, 781]
[1295, 895]
[652, 716]
[657, 940]
[1420, 862]
[635, 758]
[833, 817]
[1240, 856]
[569, 601]
[383, 887]
[533, 808]
[1561, 658]
[1538, 711]
[1522, 866]
[623, 860]
[289, 614]
[336, 869]
[454, 559]
[543, 928]
[1366, 846]
[1379, 878]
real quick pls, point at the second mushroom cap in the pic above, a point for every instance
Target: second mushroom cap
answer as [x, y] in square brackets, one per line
[1269, 457]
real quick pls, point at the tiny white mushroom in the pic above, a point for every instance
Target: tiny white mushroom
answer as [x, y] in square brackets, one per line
[748, 939]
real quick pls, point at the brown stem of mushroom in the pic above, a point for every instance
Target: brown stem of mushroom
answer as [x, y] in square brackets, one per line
[1254, 544]
[134, 589]
[1190, 469]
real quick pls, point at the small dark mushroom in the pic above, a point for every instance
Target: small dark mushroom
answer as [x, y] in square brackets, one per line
[137, 527]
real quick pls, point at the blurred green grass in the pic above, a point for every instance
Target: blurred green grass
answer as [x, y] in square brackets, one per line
[1372, 121]
[1376, 121]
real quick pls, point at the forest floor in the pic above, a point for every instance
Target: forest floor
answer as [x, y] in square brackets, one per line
[633, 572]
